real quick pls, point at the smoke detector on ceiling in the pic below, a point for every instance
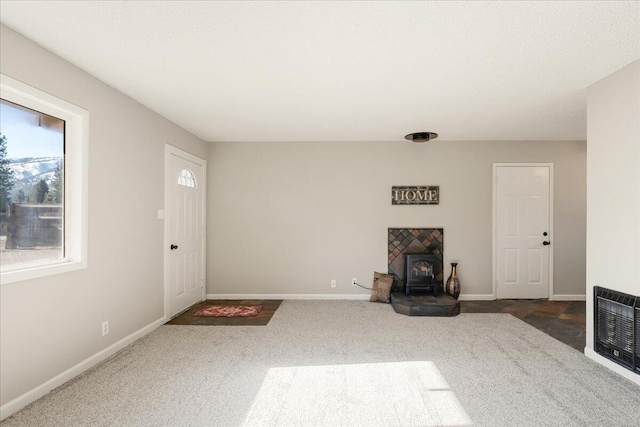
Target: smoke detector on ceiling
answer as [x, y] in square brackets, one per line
[421, 136]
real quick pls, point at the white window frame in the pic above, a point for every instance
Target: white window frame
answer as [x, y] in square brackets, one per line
[76, 180]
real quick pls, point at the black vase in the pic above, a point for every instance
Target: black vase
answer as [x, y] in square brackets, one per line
[453, 284]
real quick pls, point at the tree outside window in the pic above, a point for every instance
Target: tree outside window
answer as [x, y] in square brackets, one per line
[31, 185]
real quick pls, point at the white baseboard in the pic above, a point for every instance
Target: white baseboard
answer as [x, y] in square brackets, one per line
[591, 354]
[561, 297]
[476, 297]
[32, 395]
[359, 297]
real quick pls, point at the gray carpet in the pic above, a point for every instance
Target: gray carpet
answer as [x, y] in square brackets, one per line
[349, 363]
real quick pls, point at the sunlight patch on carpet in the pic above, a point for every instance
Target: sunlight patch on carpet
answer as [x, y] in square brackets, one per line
[371, 394]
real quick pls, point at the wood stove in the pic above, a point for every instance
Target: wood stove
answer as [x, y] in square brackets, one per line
[421, 271]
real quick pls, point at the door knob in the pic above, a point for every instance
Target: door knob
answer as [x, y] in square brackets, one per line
[174, 247]
[546, 243]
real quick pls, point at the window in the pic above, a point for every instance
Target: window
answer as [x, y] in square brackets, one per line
[186, 178]
[43, 183]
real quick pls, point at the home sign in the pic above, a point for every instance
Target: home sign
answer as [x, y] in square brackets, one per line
[415, 195]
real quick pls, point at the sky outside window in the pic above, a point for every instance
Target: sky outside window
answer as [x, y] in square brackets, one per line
[29, 133]
[32, 224]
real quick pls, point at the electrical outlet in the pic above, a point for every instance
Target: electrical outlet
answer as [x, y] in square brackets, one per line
[354, 282]
[105, 328]
[334, 283]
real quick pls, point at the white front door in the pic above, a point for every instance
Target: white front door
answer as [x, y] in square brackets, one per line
[184, 207]
[522, 218]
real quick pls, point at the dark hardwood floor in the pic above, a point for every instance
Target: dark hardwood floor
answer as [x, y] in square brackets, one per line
[563, 320]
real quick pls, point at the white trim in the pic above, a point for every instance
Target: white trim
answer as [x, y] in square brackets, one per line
[563, 297]
[551, 233]
[591, 354]
[36, 393]
[170, 150]
[495, 213]
[476, 297]
[76, 194]
[494, 231]
[358, 297]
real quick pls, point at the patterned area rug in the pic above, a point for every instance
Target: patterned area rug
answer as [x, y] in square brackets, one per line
[229, 311]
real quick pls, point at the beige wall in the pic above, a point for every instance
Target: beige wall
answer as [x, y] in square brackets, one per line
[49, 325]
[613, 209]
[286, 218]
[283, 218]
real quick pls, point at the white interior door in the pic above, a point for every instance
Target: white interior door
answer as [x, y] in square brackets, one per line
[184, 209]
[522, 264]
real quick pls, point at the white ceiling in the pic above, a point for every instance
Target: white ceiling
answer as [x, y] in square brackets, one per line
[346, 71]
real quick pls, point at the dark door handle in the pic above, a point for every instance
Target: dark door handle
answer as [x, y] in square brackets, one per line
[174, 247]
[546, 243]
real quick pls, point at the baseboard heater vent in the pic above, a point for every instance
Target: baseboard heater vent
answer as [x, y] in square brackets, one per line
[617, 327]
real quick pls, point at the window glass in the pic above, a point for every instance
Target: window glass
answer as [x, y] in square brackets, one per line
[32, 179]
[186, 178]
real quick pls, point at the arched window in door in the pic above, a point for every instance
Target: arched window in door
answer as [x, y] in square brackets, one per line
[186, 178]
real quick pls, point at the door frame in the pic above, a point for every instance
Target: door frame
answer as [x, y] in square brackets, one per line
[494, 233]
[170, 150]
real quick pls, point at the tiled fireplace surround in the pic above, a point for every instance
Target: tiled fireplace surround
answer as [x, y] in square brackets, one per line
[414, 240]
